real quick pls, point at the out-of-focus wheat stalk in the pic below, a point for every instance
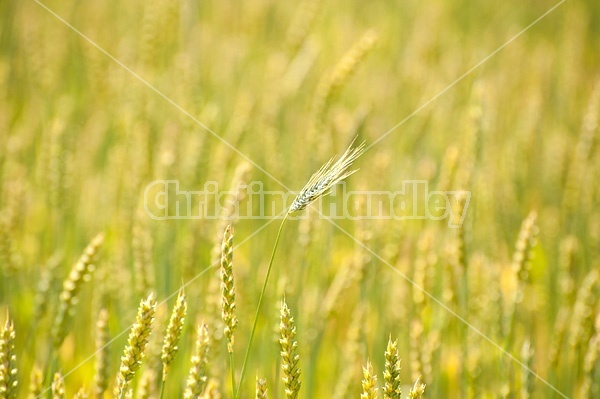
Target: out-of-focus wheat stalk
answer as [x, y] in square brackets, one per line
[58, 387]
[591, 363]
[527, 381]
[581, 317]
[81, 394]
[198, 375]
[80, 273]
[142, 259]
[36, 381]
[331, 85]
[102, 355]
[521, 265]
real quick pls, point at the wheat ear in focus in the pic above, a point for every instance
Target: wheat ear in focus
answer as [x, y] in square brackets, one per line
[328, 176]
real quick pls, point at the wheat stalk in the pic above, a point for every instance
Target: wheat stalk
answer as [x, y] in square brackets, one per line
[80, 273]
[198, 377]
[211, 391]
[326, 177]
[58, 387]
[527, 382]
[103, 356]
[369, 383]
[138, 339]
[228, 297]
[289, 355]
[81, 394]
[8, 361]
[590, 362]
[330, 85]
[173, 334]
[391, 375]
[319, 184]
[417, 391]
[227, 287]
[583, 310]
[521, 264]
[261, 388]
[35, 383]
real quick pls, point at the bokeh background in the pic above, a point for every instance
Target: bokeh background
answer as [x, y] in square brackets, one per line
[290, 85]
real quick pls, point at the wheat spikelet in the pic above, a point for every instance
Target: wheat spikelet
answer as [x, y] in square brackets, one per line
[566, 287]
[523, 247]
[81, 394]
[227, 287]
[58, 387]
[582, 311]
[212, 390]
[147, 384]
[301, 24]
[102, 355]
[331, 85]
[174, 329]
[153, 356]
[138, 339]
[35, 383]
[325, 178]
[289, 355]
[198, 377]
[459, 251]
[417, 391]
[44, 287]
[590, 362]
[416, 346]
[568, 250]
[7, 256]
[521, 263]
[8, 361]
[80, 273]
[238, 124]
[369, 383]
[583, 150]
[421, 266]
[228, 212]
[351, 60]
[340, 281]
[350, 373]
[141, 245]
[261, 388]
[391, 375]
[527, 381]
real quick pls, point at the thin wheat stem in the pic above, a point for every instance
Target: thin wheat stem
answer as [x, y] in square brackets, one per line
[232, 369]
[162, 388]
[260, 299]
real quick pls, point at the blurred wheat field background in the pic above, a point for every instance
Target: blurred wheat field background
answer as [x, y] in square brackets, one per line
[86, 125]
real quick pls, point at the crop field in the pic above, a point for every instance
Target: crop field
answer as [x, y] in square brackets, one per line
[313, 199]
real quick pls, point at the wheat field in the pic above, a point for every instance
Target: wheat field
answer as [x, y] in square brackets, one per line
[100, 299]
